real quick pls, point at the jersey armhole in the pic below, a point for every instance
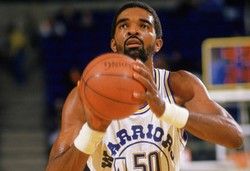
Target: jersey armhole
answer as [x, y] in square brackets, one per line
[168, 90]
[183, 137]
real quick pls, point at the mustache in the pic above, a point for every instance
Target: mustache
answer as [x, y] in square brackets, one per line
[132, 37]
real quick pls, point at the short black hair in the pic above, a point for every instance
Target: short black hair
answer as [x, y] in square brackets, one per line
[143, 5]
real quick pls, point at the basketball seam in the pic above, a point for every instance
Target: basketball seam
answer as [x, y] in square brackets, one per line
[97, 62]
[86, 85]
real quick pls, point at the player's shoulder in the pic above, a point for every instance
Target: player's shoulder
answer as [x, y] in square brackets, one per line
[185, 84]
[183, 76]
[176, 75]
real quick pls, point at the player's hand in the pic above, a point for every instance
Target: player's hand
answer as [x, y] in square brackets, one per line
[151, 96]
[95, 122]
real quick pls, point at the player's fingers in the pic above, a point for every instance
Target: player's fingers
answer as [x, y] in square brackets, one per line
[140, 65]
[141, 69]
[151, 90]
[147, 96]
[139, 96]
[144, 81]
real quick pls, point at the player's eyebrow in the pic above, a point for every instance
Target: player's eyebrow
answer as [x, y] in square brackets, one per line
[126, 19]
[121, 20]
[146, 21]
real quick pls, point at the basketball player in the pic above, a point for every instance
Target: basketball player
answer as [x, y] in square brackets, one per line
[153, 137]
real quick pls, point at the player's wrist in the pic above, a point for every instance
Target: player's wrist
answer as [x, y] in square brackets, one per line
[175, 115]
[88, 139]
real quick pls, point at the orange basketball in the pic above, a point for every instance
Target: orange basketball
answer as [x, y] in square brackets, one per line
[107, 86]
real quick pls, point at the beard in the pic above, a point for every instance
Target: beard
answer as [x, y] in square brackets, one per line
[136, 53]
[141, 53]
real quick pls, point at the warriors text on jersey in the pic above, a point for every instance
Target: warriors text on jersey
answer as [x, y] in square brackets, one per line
[141, 142]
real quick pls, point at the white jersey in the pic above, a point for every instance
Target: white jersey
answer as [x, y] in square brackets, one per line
[141, 142]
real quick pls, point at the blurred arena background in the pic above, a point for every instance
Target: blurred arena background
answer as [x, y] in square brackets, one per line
[45, 45]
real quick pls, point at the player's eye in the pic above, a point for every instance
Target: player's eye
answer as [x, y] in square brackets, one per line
[123, 26]
[145, 26]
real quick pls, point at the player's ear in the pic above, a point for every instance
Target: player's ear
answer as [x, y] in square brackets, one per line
[113, 45]
[158, 44]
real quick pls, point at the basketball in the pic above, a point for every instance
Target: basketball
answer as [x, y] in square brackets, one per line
[107, 86]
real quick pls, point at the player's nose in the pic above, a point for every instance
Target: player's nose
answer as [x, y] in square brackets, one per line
[133, 30]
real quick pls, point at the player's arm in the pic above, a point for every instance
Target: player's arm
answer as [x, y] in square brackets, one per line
[64, 155]
[207, 119]
[74, 143]
[194, 111]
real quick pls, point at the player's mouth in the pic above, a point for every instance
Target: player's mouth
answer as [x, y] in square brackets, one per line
[133, 43]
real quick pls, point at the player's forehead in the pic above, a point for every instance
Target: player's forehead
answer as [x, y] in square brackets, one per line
[135, 14]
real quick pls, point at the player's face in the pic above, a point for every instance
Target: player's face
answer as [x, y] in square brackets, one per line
[135, 34]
